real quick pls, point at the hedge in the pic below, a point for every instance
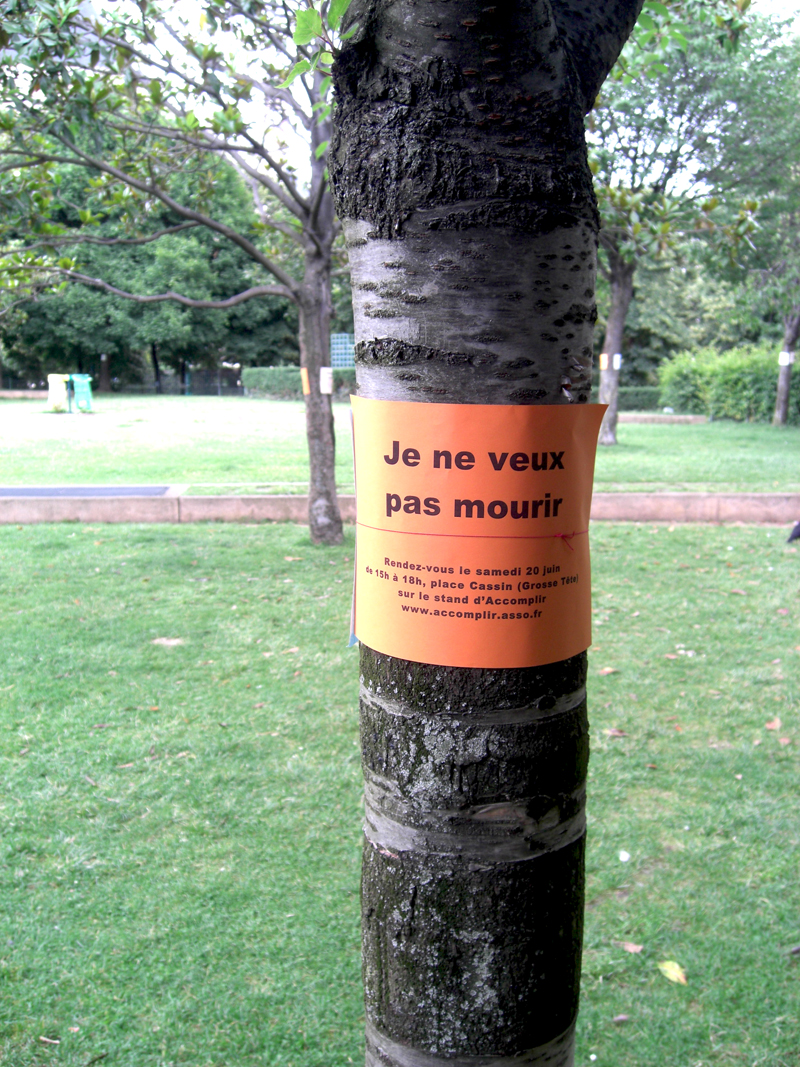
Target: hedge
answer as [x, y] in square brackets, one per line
[740, 384]
[284, 383]
[634, 397]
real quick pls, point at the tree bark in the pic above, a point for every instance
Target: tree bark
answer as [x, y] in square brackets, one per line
[460, 174]
[156, 366]
[791, 332]
[621, 275]
[104, 383]
[314, 313]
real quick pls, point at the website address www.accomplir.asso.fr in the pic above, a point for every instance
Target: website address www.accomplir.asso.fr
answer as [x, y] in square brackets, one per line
[445, 613]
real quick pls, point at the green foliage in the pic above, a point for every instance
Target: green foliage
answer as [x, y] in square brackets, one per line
[680, 304]
[635, 397]
[284, 383]
[739, 384]
[68, 328]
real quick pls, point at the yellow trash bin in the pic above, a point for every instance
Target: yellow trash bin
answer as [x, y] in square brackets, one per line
[57, 392]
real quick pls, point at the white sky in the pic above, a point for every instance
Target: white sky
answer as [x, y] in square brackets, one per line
[782, 8]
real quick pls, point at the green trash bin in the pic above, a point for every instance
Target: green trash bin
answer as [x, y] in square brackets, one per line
[83, 391]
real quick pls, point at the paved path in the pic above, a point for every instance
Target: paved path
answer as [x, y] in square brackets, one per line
[83, 491]
[169, 504]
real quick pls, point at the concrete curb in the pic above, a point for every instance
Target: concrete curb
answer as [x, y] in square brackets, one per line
[777, 508]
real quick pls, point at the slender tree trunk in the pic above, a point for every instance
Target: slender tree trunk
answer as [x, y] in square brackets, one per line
[104, 384]
[621, 279]
[791, 332]
[314, 304]
[460, 174]
[314, 311]
[156, 365]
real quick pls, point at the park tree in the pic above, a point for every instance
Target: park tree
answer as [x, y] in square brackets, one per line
[461, 177]
[682, 151]
[772, 287]
[75, 326]
[137, 94]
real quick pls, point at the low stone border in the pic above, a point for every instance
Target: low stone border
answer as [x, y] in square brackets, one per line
[659, 416]
[777, 508]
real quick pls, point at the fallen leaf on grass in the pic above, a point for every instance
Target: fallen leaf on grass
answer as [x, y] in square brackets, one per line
[50, 1041]
[266, 655]
[614, 732]
[260, 704]
[630, 946]
[608, 670]
[91, 781]
[287, 651]
[168, 641]
[620, 1018]
[24, 751]
[738, 592]
[154, 708]
[783, 611]
[784, 740]
[122, 766]
[292, 559]
[670, 655]
[673, 971]
[775, 724]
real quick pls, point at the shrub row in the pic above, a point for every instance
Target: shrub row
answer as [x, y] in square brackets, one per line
[284, 383]
[739, 384]
[634, 397]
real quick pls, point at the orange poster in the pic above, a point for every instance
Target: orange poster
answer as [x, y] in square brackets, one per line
[473, 523]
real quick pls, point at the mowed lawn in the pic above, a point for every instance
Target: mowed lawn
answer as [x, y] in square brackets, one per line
[240, 445]
[181, 799]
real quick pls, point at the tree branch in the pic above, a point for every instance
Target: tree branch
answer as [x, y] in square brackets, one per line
[160, 298]
[595, 33]
[152, 189]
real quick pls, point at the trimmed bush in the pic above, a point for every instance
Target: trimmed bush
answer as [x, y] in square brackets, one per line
[284, 383]
[634, 397]
[740, 384]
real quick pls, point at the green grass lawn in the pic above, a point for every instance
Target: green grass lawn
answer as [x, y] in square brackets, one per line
[181, 822]
[238, 445]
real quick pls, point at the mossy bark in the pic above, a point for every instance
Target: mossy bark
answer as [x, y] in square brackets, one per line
[460, 175]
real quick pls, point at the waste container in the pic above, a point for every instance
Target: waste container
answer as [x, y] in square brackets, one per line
[57, 392]
[83, 391]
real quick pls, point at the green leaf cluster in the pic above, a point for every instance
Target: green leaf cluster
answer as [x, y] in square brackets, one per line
[739, 384]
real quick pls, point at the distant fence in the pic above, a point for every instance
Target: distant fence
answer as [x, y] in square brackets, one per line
[343, 352]
[197, 383]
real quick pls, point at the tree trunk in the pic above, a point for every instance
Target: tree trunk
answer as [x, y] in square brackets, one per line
[314, 312]
[791, 332]
[314, 304]
[621, 279]
[156, 365]
[460, 174]
[104, 384]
